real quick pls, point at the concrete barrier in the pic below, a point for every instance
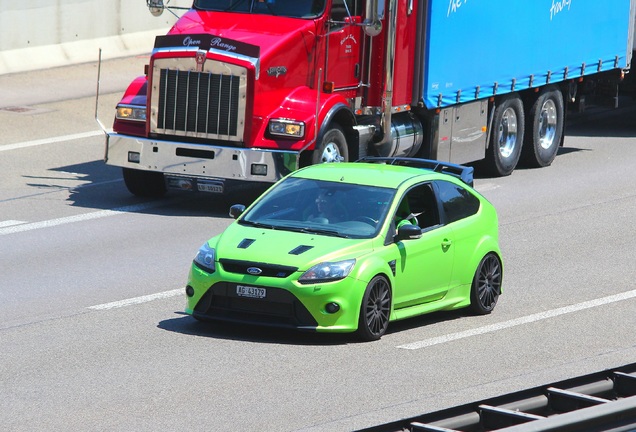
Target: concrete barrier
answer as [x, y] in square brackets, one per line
[39, 34]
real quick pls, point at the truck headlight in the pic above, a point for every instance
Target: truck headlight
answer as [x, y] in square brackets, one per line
[327, 272]
[287, 128]
[131, 112]
[205, 258]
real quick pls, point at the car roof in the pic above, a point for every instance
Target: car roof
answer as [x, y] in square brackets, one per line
[376, 172]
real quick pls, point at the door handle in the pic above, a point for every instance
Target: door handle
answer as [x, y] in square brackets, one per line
[446, 244]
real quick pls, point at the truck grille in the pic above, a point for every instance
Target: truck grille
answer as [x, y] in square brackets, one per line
[207, 104]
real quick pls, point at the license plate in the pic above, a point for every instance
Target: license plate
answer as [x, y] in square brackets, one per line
[248, 291]
[210, 187]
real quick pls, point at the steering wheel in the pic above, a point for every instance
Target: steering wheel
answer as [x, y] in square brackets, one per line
[367, 220]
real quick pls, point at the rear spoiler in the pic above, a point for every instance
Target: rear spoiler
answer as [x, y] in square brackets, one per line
[464, 173]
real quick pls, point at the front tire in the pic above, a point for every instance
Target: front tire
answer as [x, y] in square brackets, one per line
[375, 310]
[147, 184]
[544, 129]
[486, 286]
[332, 147]
[504, 150]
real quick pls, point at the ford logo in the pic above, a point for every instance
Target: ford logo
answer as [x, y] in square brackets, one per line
[254, 271]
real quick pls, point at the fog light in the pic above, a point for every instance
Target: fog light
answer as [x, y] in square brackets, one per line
[332, 307]
[259, 169]
[189, 291]
[134, 157]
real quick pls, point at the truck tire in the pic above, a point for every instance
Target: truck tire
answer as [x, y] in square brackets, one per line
[506, 140]
[332, 147]
[144, 183]
[544, 129]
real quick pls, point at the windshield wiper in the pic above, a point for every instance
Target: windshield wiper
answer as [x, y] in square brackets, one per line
[328, 232]
[257, 224]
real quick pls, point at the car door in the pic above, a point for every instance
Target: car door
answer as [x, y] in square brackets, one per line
[344, 45]
[423, 266]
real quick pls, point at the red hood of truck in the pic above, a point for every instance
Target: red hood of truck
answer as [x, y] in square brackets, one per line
[265, 31]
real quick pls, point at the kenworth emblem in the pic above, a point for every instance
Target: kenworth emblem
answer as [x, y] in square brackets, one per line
[200, 58]
[254, 271]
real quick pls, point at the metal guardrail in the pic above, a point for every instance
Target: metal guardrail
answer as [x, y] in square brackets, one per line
[601, 401]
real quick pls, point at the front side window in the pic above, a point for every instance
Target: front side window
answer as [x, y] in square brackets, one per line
[289, 8]
[457, 202]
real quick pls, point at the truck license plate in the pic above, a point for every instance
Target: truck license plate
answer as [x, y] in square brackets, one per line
[210, 187]
[248, 291]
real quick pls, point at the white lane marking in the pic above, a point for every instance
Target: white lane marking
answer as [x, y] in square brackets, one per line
[520, 321]
[8, 223]
[78, 218]
[138, 300]
[52, 140]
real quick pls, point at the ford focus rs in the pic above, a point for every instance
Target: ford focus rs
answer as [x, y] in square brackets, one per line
[351, 247]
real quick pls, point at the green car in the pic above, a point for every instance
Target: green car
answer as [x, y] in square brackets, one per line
[350, 247]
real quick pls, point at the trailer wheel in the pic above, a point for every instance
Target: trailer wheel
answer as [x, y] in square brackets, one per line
[332, 147]
[507, 137]
[544, 129]
[144, 183]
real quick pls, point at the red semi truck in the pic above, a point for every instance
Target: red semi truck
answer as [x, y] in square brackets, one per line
[250, 90]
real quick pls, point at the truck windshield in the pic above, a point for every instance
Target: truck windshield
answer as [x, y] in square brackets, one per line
[289, 8]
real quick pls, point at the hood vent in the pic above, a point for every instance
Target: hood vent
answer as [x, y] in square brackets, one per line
[245, 243]
[300, 249]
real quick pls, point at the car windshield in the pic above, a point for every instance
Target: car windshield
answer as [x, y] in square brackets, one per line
[322, 207]
[289, 8]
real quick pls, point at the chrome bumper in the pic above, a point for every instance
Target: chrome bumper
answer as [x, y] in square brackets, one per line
[198, 160]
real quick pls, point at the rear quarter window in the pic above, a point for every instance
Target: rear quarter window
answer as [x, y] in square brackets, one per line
[457, 202]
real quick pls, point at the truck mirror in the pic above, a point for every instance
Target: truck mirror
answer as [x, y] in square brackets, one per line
[374, 13]
[156, 7]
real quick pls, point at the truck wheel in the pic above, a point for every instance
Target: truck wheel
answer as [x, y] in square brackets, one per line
[544, 129]
[507, 137]
[375, 310]
[332, 148]
[144, 183]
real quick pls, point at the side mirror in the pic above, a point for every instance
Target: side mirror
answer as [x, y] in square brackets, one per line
[236, 210]
[156, 7]
[408, 232]
[374, 13]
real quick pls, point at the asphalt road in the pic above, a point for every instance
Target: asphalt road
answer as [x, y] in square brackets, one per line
[93, 337]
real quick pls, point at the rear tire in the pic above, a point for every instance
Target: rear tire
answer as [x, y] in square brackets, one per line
[375, 310]
[544, 129]
[507, 137]
[146, 184]
[486, 286]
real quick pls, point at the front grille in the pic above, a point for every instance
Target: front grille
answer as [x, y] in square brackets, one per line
[271, 270]
[280, 308]
[207, 104]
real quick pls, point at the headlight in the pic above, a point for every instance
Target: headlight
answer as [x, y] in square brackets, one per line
[287, 128]
[131, 112]
[327, 272]
[205, 258]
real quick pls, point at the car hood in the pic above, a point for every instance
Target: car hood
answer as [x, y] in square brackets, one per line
[301, 250]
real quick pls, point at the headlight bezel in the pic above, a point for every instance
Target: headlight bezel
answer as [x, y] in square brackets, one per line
[205, 259]
[287, 128]
[327, 271]
[136, 113]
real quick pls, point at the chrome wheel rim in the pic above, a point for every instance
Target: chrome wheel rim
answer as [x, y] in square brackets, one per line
[547, 124]
[331, 153]
[507, 133]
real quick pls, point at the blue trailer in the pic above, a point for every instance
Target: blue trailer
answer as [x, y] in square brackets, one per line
[516, 67]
